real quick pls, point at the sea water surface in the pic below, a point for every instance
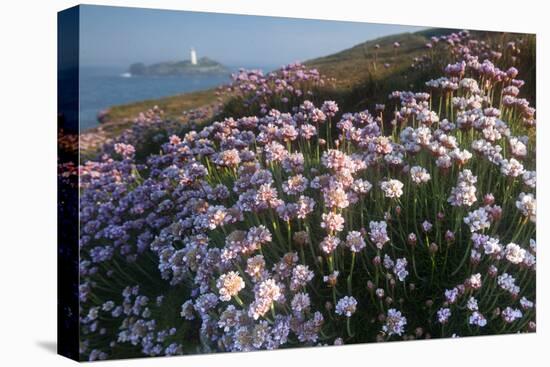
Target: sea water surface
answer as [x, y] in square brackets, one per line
[102, 87]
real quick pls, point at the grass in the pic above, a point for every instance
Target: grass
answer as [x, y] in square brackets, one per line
[361, 81]
[121, 116]
[360, 78]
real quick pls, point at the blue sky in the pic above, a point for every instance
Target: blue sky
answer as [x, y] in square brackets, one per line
[118, 36]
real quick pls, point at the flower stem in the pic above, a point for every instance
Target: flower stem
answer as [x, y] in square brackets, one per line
[350, 276]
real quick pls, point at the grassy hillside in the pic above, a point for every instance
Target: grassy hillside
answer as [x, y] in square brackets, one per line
[415, 220]
[363, 75]
[173, 105]
[349, 67]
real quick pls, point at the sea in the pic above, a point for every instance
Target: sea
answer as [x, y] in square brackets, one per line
[103, 87]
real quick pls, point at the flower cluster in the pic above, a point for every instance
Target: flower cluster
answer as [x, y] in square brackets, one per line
[315, 226]
[285, 87]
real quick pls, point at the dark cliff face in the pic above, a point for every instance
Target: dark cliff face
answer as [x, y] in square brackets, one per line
[204, 66]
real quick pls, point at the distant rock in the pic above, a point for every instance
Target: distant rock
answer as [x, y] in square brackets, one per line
[204, 66]
[103, 116]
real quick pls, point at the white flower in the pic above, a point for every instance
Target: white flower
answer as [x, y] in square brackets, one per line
[269, 290]
[508, 283]
[395, 323]
[443, 315]
[530, 179]
[472, 304]
[388, 262]
[444, 161]
[475, 281]
[476, 318]
[427, 117]
[477, 220]
[469, 85]
[451, 295]
[332, 222]
[229, 285]
[346, 306]
[511, 314]
[228, 158]
[514, 253]
[400, 269]
[301, 275]
[295, 185]
[427, 226]
[355, 241]
[464, 193]
[300, 302]
[530, 260]
[335, 197]
[518, 148]
[392, 188]
[512, 167]
[461, 157]
[125, 150]
[378, 234]
[361, 186]
[492, 246]
[527, 205]
[525, 303]
[419, 175]
[329, 244]
[255, 267]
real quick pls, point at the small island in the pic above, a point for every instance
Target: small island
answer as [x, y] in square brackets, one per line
[204, 65]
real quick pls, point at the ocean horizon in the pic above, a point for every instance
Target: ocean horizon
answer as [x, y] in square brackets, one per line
[102, 87]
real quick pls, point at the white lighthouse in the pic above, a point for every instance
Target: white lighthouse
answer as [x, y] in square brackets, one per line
[193, 56]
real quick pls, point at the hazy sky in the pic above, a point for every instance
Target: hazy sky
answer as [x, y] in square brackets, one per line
[121, 36]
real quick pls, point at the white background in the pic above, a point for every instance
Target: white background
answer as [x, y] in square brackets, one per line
[28, 181]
